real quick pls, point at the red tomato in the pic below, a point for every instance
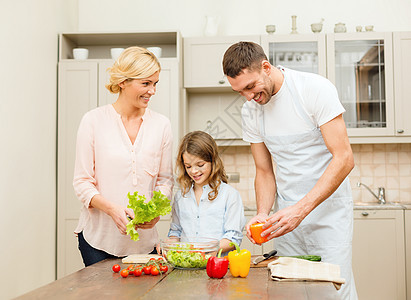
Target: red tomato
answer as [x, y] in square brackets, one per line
[154, 271]
[147, 270]
[124, 273]
[130, 267]
[163, 269]
[116, 268]
[160, 259]
[138, 272]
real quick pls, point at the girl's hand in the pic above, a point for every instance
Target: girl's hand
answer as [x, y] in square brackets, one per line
[119, 215]
[260, 218]
[148, 225]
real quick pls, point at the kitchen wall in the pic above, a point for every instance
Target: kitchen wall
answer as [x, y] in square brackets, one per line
[28, 51]
[28, 30]
[239, 17]
[376, 165]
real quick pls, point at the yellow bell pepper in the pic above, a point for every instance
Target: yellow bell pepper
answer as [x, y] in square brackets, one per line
[239, 261]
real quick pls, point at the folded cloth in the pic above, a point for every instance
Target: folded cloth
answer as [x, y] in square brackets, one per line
[295, 269]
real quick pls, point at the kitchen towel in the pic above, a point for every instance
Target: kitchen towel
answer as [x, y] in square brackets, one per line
[295, 269]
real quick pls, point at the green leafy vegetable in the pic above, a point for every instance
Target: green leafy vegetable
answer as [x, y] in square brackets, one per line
[144, 212]
[182, 257]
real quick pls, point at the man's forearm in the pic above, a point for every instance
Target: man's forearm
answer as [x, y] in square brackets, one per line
[265, 190]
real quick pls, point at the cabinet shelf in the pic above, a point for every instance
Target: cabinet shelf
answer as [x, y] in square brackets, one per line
[99, 43]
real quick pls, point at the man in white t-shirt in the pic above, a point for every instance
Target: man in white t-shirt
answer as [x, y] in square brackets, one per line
[295, 119]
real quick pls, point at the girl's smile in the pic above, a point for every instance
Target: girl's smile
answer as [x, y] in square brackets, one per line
[198, 169]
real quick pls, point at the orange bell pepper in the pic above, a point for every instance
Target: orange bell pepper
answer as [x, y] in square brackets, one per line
[256, 230]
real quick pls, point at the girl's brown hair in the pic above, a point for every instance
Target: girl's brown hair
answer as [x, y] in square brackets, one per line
[200, 144]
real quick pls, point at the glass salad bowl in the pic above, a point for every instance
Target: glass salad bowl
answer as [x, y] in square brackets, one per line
[189, 253]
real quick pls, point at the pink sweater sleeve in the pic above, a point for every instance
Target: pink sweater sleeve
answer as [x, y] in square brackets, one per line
[84, 182]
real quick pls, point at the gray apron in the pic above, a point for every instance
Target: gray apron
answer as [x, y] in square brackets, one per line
[300, 161]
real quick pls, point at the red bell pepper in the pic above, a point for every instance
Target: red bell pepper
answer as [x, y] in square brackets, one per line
[217, 266]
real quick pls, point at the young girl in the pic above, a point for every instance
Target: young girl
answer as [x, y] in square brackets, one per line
[206, 206]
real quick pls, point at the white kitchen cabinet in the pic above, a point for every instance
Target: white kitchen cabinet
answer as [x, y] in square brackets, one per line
[402, 86]
[301, 52]
[163, 226]
[210, 104]
[81, 87]
[203, 58]
[361, 67]
[378, 254]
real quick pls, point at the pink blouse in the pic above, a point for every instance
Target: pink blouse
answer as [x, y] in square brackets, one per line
[107, 163]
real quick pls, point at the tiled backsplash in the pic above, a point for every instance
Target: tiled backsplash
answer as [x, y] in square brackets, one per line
[376, 165]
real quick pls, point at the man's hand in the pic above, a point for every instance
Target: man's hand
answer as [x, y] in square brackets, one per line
[260, 218]
[283, 221]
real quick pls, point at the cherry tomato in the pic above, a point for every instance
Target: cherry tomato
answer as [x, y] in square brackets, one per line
[160, 259]
[124, 273]
[138, 272]
[163, 269]
[130, 267]
[154, 271]
[116, 268]
[152, 258]
[147, 270]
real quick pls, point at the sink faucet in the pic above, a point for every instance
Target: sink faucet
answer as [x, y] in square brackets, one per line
[381, 193]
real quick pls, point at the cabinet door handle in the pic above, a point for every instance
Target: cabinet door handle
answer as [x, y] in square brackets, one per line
[400, 130]
[222, 81]
[364, 213]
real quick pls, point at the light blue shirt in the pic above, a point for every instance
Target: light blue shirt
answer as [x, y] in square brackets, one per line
[221, 218]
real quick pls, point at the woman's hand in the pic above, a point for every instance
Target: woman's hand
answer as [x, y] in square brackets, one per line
[119, 215]
[260, 218]
[148, 225]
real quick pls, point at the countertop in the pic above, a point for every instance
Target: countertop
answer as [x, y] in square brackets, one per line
[99, 282]
[357, 206]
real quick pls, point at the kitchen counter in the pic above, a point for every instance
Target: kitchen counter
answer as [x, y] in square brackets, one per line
[99, 282]
[357, 205]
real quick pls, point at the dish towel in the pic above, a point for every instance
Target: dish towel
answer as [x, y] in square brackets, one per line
[295, 269]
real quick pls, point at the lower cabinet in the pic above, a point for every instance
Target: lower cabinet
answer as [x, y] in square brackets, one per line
[407, 215]
[379, 254]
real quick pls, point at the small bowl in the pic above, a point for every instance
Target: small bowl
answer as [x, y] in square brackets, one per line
[116, 52]
[369, 28]
[80, 53]
[270, 29]
[190, 254]
[157, 51]
[316, 27]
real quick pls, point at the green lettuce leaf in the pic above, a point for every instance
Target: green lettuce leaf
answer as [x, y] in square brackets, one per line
[159, 205]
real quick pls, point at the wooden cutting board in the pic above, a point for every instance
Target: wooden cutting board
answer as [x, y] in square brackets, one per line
[262, 264]
[139, 258]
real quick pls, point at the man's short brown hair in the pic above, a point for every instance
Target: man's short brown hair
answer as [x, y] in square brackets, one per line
[242, 55]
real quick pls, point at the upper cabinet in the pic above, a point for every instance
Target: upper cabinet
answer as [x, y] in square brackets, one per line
[305, 52]
[402, 79]
[203, 58]
[361, 67]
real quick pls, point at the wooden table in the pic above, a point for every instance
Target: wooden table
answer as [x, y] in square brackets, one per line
[99, 282]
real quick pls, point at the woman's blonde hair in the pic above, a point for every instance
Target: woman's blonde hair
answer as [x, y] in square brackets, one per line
[133, 63]
[202, 145]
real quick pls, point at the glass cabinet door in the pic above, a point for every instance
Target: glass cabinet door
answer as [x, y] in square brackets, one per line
[298, 52]
[361, 69]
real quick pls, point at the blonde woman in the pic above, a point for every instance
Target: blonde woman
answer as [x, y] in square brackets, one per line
[122, 147]
[206, 206]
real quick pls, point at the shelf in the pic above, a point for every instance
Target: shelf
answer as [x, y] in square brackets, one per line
[99, 43]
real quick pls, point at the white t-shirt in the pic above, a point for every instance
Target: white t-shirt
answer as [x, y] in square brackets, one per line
[318, 98]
